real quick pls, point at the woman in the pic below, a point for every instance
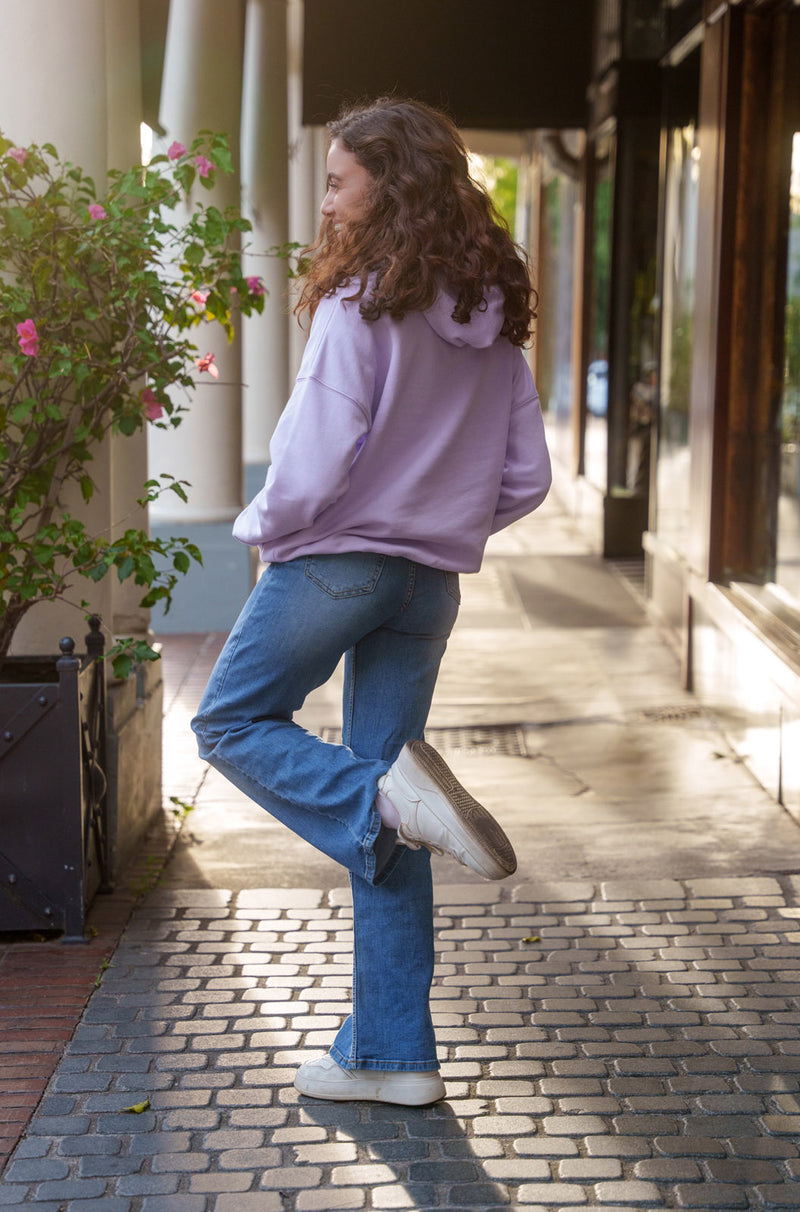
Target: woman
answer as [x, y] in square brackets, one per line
[412, 433]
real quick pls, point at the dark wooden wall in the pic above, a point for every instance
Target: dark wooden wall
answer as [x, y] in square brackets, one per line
[492, 64]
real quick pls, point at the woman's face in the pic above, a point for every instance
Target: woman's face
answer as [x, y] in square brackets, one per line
[348, 186]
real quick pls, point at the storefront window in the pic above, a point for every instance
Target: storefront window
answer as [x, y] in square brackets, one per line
[632, 426]
[560, 211]
[677, 334]
[595, 452]
[644, 29]
[788, 563]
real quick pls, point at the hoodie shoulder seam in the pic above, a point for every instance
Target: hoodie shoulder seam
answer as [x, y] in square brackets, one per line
[311, 378]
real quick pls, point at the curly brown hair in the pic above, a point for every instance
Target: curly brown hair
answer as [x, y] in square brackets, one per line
[426, 225]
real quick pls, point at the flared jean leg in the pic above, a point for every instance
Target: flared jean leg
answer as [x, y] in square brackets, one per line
[392, 617]
[288, 640]
[393, 952]
[390, 1026]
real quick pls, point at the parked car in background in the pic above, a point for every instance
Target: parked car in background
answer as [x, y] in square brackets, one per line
[597, 388]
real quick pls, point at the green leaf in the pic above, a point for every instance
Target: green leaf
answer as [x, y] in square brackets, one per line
[185, 174]
[87, 487]
[21, 411]
[221, 156]
[128, 425]
[156, 594]
[181, 561]
[41, 275]
[215, 226]
[194, 255]
[126, 567]
[122, 666]
[216, 307]
[18, 223]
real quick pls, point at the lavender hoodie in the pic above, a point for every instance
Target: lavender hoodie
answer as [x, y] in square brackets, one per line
[418, 438]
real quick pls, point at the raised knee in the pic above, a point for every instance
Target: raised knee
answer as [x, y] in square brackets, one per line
[206, 737]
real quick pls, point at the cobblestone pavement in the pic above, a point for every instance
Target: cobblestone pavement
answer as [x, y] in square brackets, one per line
[624, 1045]
[626, 1036]
[45, 985]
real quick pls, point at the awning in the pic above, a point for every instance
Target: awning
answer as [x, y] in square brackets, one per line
[492, 64]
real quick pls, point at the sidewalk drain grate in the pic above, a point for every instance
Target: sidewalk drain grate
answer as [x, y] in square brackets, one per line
[666, 715]
[505, 740]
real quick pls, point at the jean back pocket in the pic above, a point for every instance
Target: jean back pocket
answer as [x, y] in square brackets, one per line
[350, 575]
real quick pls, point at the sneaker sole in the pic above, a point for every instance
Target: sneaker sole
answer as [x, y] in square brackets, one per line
[476, 822]
[384, 1089]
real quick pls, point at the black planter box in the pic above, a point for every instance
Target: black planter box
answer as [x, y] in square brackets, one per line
[53, 852]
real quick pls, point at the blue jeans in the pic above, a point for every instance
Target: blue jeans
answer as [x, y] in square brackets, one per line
[391, 617]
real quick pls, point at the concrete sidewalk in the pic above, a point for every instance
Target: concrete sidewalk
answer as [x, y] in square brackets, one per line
[619, 1023]
[559, 705]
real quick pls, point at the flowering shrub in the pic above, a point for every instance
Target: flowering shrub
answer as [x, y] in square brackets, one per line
[98, 298]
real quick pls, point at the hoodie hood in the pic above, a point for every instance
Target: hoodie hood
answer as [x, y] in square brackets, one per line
[483, 328]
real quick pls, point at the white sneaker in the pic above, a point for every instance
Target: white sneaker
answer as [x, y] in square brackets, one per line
[323, 1078]
[436, 812]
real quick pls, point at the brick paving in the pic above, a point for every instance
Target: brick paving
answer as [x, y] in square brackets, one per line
[44, 991]
[45, 986]
[625, 1045]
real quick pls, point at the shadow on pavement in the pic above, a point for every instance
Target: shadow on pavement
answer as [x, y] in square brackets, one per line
[426, 1150]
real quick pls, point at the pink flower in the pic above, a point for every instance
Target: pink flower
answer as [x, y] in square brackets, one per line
[152, 408]
[18, 153]
[204, 166]
[28, 338]
[199, 296]
[207, 363]
[176, 150]
[255, 286]
[96, 211]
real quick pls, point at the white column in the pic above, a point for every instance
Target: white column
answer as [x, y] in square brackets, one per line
[202, 91]
[319, 157]
[526, 190]
[265, 203]
[303, 200]
[128, 454]
[123, 83]
[48, 47]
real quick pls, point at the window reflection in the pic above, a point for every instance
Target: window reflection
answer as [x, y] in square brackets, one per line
[788, 565]
[560, 203]
[680, 243]
[595, 451]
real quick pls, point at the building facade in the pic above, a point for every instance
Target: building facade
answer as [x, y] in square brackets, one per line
[659, 151]
[668, 350]
[662, 217]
